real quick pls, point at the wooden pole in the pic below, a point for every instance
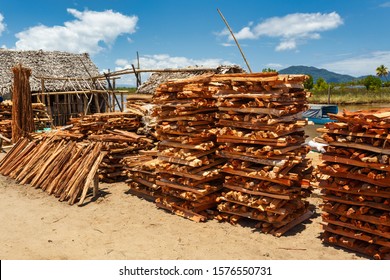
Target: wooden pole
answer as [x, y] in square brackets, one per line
[138, 67]
[234, 37]
[136, 76]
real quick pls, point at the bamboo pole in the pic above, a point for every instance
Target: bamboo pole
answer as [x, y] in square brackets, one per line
[234, 37]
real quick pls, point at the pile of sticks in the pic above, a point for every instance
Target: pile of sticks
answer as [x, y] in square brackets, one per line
[65, 169]
[6, 118]
[142, 173]
[41, 118]
[355, 182]
[261, 132]
[117, 132]
[189, 170]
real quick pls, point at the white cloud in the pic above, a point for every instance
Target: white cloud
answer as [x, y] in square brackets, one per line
[385, 5]
[276, 66]
[287, 45]
[2, 24]
[84, 34]
[292, 29]
[360, 65]
[164, 61]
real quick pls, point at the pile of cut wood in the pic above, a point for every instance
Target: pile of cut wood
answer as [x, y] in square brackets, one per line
[142, 104]
[117, 132]
[261, 132]
[189, 169]
[41, 118]
[355, 182]
[65, 169]
[142, 173]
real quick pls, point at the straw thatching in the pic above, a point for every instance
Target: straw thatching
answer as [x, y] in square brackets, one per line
[46, 64]
[158, 78]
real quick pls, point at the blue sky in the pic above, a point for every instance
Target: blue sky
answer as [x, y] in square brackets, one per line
[345, 36]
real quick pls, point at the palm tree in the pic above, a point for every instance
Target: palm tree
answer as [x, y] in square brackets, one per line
[382, 71]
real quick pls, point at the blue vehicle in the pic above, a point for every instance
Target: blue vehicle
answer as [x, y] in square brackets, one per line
[318, 113]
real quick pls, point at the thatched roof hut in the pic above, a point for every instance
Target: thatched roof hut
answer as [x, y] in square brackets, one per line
[149, 87]
[46, 64]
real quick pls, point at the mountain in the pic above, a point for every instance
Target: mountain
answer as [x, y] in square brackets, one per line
[328, 76]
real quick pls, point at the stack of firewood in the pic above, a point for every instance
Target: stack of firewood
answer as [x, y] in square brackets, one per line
[189, 170]
[142, 173]
[65, 169]
[117, 131]
[261, 132]
[41, 118]
[355, 182]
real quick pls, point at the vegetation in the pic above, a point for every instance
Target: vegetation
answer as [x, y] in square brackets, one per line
[372, 83]
[351, 96]
[268, 70]
[128, 89]
[382, 71]
[365, 90]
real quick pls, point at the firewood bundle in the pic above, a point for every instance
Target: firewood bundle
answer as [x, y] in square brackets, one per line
[41, 118]
[142, 104]
[65, 169]
[355, 182]
[261, 132]
[117, 132]
[142, 173]
[100, 123]
[189, 170]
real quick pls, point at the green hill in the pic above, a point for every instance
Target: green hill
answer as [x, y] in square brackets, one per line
[328, 76]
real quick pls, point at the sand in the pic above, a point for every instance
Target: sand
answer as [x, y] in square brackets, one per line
[120, 226]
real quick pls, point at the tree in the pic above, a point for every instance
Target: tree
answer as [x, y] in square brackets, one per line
[268, 70]
[309, 83]
[382, 71]
[372, 83]
[321, 85]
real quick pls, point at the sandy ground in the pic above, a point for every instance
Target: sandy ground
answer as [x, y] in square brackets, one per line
[120, 226]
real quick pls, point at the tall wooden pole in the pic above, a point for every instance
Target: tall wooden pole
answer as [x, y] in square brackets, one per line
[234, 37]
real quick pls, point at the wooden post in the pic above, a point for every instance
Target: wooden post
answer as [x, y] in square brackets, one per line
[136, 76]
[328, 94]
[122, 102]
[69, 102]
[96, 99]
[96, 185]
[138, 67]
[57, 109]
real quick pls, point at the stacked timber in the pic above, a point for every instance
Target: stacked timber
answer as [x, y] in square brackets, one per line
[101, 122]
[189, 174]
[117, 132]
[6, 118]
[41, 118]
[63, 168]
[356, 182]
[261, 132]
[142, 104]
[142, 173]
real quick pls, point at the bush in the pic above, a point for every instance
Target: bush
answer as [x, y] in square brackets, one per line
[372, 83]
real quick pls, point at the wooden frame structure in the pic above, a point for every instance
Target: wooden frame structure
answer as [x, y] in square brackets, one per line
[83, 96]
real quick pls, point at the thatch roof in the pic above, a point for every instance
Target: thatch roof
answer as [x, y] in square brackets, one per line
[149, 87]
[47, 64]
